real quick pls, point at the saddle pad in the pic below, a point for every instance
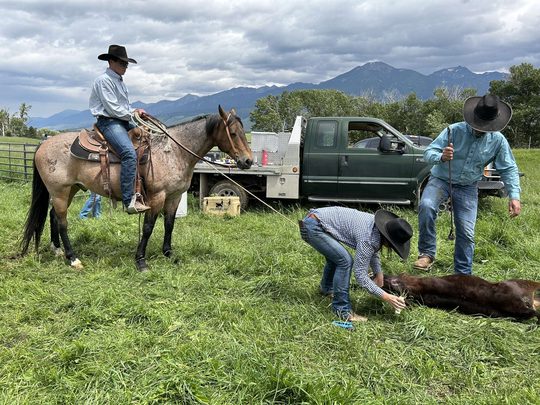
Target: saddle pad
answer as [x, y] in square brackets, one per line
[80, 153]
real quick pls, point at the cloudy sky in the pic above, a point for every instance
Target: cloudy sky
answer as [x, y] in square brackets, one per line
[49, 49]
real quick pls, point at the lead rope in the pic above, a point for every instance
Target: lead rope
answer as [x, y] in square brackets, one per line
[450, 204]
[158, 127]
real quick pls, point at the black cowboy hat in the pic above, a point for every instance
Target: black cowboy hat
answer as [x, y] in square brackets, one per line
[116, 52]
[395, 230]
[487, 113]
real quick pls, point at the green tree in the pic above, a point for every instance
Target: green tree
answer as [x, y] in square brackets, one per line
[435, 122]
[4, 122]
[276, 113]
[14, 124]
[522, 91]
[17, 127]
[265, 116]
[23, 112]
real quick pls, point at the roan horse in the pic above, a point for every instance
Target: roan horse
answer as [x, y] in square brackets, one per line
[518, 299]
[58, 176]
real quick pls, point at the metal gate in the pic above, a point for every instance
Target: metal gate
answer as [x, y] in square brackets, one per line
[16, 160]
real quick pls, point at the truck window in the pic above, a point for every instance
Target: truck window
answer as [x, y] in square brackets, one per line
[363, 135]
[326, 134]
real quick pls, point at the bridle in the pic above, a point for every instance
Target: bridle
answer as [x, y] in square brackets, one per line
[228, 132]
[158, 127]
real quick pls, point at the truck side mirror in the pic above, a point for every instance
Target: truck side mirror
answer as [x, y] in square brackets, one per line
[389, 143]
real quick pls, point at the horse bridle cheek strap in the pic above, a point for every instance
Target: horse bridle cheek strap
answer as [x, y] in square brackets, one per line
[228, 132]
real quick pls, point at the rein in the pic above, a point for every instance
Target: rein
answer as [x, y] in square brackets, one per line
[228, 132]
[158, 127]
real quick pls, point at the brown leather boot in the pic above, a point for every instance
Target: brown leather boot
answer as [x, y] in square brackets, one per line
[423, 263]
[136, 206]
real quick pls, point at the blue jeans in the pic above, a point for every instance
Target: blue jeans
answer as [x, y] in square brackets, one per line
[337, 270]
[116, 133]
[465, 206]
[93, 205]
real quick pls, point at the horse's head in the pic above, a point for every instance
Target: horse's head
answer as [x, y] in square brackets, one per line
[231, 138]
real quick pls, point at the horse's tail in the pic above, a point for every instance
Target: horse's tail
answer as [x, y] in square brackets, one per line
[37, 215]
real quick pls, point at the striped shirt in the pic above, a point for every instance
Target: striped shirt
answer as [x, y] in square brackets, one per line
[356, 230]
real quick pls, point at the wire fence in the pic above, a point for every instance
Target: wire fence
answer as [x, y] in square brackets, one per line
[16, 161]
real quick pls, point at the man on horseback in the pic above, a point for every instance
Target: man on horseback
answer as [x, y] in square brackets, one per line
[109, 103]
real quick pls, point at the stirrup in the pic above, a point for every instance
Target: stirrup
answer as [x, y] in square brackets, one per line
[136, 206]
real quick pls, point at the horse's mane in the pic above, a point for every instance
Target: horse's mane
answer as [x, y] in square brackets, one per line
[212, 120]
[189, 121]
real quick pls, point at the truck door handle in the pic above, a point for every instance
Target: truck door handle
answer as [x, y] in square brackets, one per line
[344, 160]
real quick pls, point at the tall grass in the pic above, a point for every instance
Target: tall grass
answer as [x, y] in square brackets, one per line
[236, 318]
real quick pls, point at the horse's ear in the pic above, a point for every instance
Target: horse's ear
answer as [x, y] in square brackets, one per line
[233, 111]
[222, 112]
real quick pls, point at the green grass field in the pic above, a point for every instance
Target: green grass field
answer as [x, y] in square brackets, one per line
[236, 318]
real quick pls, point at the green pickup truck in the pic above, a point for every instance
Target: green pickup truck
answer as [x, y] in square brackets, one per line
[335, 168]
[327, 159]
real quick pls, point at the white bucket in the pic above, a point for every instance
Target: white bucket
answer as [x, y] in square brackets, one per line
[181, 211]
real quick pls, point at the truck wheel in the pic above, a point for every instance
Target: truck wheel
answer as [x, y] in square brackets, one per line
[225, 188]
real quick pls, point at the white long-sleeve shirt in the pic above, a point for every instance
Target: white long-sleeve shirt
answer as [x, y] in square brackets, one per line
[109, 97]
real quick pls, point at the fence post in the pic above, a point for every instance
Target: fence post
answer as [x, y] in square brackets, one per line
[24, 163]
[9, 157]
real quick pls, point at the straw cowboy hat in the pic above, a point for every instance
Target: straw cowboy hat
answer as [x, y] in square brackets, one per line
[116, 52]
[487, 113]
[396, 231]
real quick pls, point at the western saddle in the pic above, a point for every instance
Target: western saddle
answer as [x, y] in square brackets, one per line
[91, 145]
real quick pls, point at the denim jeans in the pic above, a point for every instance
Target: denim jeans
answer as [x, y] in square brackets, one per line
[116, 133]
[465, 205]
[93, 205]
[337, 270]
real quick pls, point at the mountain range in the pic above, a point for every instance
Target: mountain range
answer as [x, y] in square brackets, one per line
[375, 78]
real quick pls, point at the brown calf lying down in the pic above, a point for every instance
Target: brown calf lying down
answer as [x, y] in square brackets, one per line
[519, 299]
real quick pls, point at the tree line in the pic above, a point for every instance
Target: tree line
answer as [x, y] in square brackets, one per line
[15, 125]
[411, 115]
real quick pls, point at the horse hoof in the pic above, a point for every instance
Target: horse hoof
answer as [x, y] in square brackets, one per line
[58, 252]
[76, 264]
[141, 265]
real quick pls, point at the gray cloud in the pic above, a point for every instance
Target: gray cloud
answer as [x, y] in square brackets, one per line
[48, 49]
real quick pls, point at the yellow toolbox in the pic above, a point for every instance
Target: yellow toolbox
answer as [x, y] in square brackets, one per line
[221, 205]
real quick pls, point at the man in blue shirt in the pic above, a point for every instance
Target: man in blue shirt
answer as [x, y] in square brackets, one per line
[328, 229]
[459, 155]
[109, 103]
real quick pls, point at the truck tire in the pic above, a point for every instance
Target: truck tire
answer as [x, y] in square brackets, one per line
[226, 188]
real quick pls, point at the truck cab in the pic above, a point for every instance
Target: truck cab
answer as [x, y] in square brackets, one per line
[360, 159]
